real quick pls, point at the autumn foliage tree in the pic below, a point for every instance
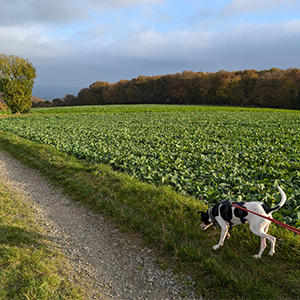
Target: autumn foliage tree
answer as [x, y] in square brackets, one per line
[16, 82]
[266, 88]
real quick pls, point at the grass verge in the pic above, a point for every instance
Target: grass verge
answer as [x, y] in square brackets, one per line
[170, 221]
[30, 267]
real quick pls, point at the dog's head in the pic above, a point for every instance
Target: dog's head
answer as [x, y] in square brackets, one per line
[206, 220]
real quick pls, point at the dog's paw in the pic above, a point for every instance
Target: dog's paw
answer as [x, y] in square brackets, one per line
[271, 253]
[216, 247]
[256, 256]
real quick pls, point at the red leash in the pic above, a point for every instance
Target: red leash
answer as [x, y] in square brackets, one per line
[296, 230]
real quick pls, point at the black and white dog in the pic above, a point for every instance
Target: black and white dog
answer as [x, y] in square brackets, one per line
[227, 215]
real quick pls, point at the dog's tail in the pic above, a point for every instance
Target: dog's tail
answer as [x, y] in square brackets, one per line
[281, 203]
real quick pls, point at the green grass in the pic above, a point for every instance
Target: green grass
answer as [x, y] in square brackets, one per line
[140, 109]
[5, 113]
[30, 267]
[170, 221]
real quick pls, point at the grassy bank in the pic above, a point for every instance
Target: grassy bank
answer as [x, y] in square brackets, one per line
[30, 267]
[170, 221]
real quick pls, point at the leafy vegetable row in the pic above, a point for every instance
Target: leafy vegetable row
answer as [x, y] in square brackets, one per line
[212, 155]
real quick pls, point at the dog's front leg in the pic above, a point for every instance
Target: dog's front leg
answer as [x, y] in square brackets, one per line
[224, 231]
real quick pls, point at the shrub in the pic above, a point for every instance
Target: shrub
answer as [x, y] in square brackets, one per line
[16, 82]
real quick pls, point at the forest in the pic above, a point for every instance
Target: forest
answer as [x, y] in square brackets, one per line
[274, 88]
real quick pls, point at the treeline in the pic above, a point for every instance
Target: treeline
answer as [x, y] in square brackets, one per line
[268, 88]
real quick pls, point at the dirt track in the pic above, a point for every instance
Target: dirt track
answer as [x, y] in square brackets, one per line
[112, 264]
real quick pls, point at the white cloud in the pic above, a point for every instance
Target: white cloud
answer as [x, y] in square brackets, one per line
[30, 42]
[35, 11]
[59, 11]
[124, 2]
[292, 27]
[253, 6]
[151, 45]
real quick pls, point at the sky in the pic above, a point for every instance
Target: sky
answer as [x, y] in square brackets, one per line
[73, 43]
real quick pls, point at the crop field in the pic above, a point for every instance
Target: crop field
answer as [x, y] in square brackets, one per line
[211, 154]
[153, 108]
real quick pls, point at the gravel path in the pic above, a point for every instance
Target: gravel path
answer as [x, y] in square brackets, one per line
[113, 264]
